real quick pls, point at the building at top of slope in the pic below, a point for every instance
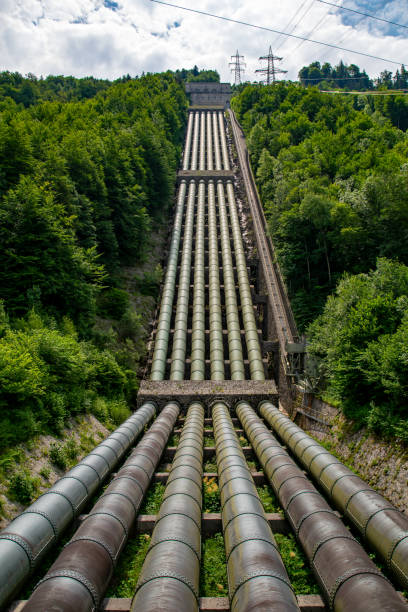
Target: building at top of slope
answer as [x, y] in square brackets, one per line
[209, 95]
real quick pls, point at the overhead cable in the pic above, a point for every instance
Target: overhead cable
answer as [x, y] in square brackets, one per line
[343, 8]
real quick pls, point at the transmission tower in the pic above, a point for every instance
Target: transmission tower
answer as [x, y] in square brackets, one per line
[237, 67]
[271, 70]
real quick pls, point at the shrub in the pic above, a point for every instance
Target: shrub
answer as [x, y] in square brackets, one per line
[58, 456]
[113, 303]
[23, 488]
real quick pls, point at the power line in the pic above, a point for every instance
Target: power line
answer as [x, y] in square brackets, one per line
[297, 23]
[322, 20]
[295, 14]
[343, 8]
[258, 27]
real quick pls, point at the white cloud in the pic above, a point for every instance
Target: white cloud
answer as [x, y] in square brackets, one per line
[108, 39]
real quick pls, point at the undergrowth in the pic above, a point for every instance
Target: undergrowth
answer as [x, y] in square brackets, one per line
[213, 570]
[211, 495]
[123, 583]
[153, 500]
[268, 499]
[300, 574]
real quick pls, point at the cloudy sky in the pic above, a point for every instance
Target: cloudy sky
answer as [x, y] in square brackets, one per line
[109, 38]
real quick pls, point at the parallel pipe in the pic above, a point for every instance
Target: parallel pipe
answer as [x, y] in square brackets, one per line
[348, 578]
[169, 578]
[198, 323]
[257, 578]
[202, 142]
[210, 163]
[187, 148]
[166, 307]
[79, 577]
[24, 542]
[216, 330]
[196, 137]
[233, 325]
[224, 148]
[381, 524]
[216, 140]
[178, 355]
[251, 333]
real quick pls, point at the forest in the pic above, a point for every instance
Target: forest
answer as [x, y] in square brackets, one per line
[87, 173]
[332, 173]
[351, 77]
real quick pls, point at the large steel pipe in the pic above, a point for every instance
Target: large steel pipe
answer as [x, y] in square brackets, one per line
[257, 578]
[224, 148]
[169, 578]
[348, 578]
[210, 162]
[187, 148]
[198, 324]
[216, 140]
[178, 355]
[383, 526]
[233, 325]
[202, 142]
[251, 333]
[196, 138]
[216, 331]
[166, 307]
[78, 579]
[24, 542]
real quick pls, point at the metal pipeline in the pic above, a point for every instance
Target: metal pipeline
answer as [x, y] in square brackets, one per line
[198, 323]
[169, 578]
[217, 152]
[187, 148]
[257, 578]
[381, 524]
[224, 148]
[251, 333]
[166, 307]
[24, 542]
[202, 142]
[348, 578]
[210, 163]
[216, 331]
[196, 136]
[79, 577]
[233, 325]
[178, 356]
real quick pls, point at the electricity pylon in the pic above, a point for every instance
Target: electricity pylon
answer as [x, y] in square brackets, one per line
[271, 70]
[237, 67]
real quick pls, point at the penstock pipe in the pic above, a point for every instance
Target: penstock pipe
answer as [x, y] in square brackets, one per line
[169, 579]
[78, 579]
[347, 576]
[257, 577]
[24, 542]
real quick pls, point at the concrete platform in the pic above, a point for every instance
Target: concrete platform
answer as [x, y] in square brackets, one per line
[206, 175]
[207, 391]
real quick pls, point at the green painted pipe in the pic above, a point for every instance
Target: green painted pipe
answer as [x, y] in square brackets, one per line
[251, 333]
[166, 307]
[169, 578]
[233, 325]
[216, 335]
[224, 148]
[178, 355]
[380, 523]
[198, 324]
[257, 578]
[216, 139]
[210, 163]
[187, 148]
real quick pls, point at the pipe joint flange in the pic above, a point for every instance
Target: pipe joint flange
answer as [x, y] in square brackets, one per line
[78, 577]
[250, 538]
[177, 513]
[56, 492]
[172, 539]
[261, 573]
[368, 519]
[157, 575]
[306, 516]
[332, 592]
[111, 554]
[92, 514]
[46, 516]
[321, 543]
[13, 537]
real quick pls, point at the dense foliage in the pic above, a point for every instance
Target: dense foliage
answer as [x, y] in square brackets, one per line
[351, 77]
[87, 171]
[333, 177]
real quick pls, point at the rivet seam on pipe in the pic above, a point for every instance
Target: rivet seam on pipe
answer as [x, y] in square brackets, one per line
[236, 495]
[22, 543]
[243, 514]
[103, 445]
[344, 476]
[94, 541]
[313, 443]
[137, 466]
[283, 453]
[182, 493]
[44, 515]
[186, 465]
[157, 575]
[230, 466]
[171, 480]
[122, 495]
[166, 514]
[172, 539]
[235, 478]
[321, 543]
[336, 462]
[102, 457]
[92, 514]
[307, 515]
[396, 541]
[346, 576]
[73, 508]
[92, 468]
[356, 493]
[143, 455]
[142, 489]
[78, 578]
[303, 492]
[67, 477]
[260, 574]
[323, 452]
[378, 512]
[250, 539]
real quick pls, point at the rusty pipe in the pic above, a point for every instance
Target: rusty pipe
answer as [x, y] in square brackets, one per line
[77, 580]
[380, 523]
[169, 578]
[257, 578]
[24, 542]
[347, 576]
